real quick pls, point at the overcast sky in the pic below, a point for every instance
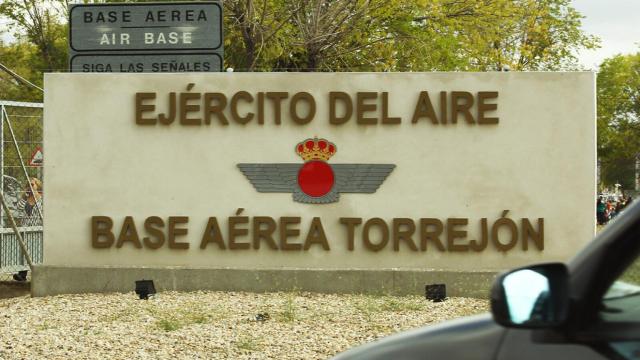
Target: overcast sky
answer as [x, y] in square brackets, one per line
[616, 22]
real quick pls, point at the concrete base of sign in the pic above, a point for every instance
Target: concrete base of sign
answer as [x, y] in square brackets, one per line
[53, 280]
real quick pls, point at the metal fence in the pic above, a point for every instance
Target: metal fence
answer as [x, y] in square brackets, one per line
[22, 186]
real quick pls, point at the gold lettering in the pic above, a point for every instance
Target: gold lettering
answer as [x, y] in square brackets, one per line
[483, 107]
[101, 228]
[334, 96]
[175, 231]
[141, 108]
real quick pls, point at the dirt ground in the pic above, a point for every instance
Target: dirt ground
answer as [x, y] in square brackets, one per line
[211, 325]
[10, 289]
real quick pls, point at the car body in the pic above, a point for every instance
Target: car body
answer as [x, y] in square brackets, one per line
[585, 312]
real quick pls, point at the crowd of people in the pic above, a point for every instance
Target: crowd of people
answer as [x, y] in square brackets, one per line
[607, 209]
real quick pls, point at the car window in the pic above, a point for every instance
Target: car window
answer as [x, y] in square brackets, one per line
[627, 285]
[621, 303]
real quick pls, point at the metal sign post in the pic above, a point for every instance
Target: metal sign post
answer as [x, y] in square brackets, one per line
[12, 222]
[637, 173]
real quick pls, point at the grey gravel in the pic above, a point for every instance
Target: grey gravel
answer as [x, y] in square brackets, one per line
[210, 325]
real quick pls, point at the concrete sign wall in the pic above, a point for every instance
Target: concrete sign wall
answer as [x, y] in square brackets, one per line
[449, 171]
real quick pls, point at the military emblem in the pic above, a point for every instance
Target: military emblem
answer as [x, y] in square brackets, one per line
[316, 181]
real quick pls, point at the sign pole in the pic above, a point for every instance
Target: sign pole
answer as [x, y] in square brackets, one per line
[12, 222]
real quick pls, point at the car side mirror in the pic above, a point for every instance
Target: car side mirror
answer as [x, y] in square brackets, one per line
[532, 297]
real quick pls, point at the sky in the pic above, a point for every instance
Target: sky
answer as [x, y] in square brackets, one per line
[615, 22]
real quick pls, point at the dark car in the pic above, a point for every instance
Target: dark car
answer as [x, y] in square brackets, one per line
[586, 309]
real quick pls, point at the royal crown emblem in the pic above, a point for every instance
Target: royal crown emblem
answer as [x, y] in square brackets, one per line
[316, 181]
[315, 149]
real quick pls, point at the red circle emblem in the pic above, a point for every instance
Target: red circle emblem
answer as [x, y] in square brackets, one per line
[315, 178]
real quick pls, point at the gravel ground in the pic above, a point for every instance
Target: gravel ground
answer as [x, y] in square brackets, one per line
[210, 325]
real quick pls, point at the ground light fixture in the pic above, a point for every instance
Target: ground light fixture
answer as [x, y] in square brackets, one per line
[435, 292]
[21, 276]
[145, 289]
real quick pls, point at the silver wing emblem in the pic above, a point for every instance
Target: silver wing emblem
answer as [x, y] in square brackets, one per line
[348, 178]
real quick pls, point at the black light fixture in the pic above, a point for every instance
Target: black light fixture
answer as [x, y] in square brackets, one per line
[145, 289]
[435, 292]
[21, 276]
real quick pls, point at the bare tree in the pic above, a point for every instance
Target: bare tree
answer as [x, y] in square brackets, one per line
[258, 23]
[323, 24]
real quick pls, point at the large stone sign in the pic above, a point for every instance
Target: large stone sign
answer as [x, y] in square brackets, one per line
[326, 182]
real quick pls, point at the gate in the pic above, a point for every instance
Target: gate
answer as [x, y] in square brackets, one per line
[22, 185]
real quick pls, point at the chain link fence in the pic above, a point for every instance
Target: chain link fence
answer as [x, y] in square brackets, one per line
[21, 163]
